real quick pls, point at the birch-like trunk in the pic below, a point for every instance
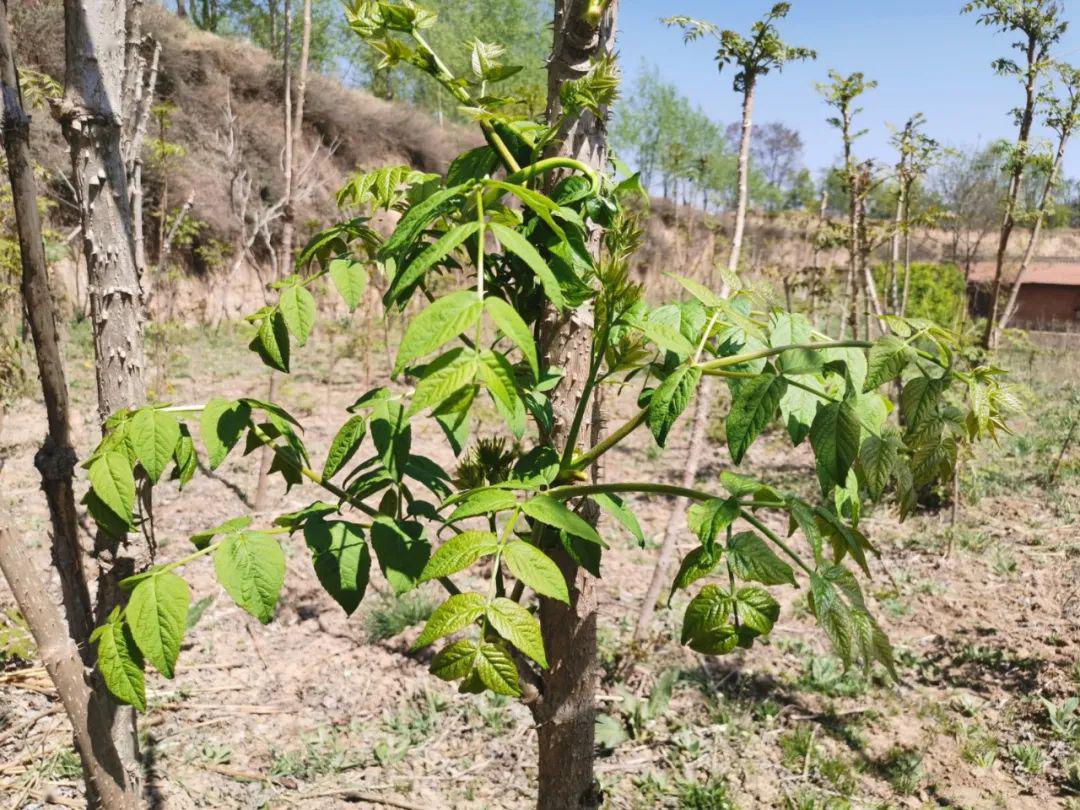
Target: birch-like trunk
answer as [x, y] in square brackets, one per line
[565, 711]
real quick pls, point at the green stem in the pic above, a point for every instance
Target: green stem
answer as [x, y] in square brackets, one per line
[567, 492]
[552, 164]
[734, 360]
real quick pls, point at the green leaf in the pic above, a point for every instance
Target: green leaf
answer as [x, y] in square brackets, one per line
[442, 378]
[786, 329]
[455, 661]
[439, 323]
[515, 329]
[616, 507]
[834, 435]
[666, 336]
[402, 551]
[753, 405]
[186, 460]
[705, 623]
[417, 218]
[833, 615]
[854, 361]
[496, 669]
[157, 615]
[804, 516]
[756, 609]
[341, 560]
[707, 520]
[670, 400]
[702, 293]
[344, 445]
[888, 358]
[551, 512]
[154, 435]
[798, 407]
[114, 484]
[458, 553]
[472, 165]
[537, 570]
[515, 624]
[742, 485]
[350, 278]
[498, 377]
[202, 539]
[752, 559]
[697, 564]
[297, 307]
[251, 568]
[919, 399]
[120, 662]
[221, 425]
[405, 281]
[520, 247]
[271, 342]
[877, 459]
[456, 613]
[486, 501]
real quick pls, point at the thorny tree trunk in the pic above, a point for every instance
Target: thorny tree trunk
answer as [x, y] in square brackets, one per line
[1033, 240]
[89, 715]
[907, 254]
[56, 458]
[872, 305]
[703, 404]
[894, 254]
[1015, 184]
[565, 712]
[103, 115]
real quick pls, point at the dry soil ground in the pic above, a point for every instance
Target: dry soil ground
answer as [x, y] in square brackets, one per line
[317, 711]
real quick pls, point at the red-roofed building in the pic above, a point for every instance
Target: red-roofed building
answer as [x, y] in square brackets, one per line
[1049, 297]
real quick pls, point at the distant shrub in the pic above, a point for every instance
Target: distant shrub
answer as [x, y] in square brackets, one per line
[937, 291]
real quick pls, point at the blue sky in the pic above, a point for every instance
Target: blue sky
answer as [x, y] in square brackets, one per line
[926, 56]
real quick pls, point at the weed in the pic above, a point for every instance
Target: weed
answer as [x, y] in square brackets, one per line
[712, 795]
[979, 747]
[391, 616]
[903, 767]
[1064, 719]
[1029, 757]
[796, 746]
[321, 754]
[826, 674]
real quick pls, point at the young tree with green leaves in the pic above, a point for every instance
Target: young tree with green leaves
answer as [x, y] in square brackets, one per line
[1062, 113]
[841, 93]
[918, 152]
[519, 258]
[1039, 24]
[752, 58]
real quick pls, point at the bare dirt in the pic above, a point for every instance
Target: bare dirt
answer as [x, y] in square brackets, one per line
[310, 712]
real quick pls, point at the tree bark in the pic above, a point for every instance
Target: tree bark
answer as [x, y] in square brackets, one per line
[744, 180]
[89, 716]
[103, 115]
[56, 458]
[1015, 183]
[565, 712]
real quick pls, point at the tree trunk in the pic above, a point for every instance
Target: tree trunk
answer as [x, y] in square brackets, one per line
[98, 100]
[894, 252]
[1033, 240]
[106, 775]
[1015, 183]
[181, 9]
[744, 180]
[56, 458]
[565, 712]
[907, 254]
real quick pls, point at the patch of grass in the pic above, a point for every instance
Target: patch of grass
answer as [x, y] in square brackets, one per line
[796, 746]
[979, 747]
[320, 754]
[1029, 757]
[713, 795]
[825, 674]
[388, 617]
[903, 767]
